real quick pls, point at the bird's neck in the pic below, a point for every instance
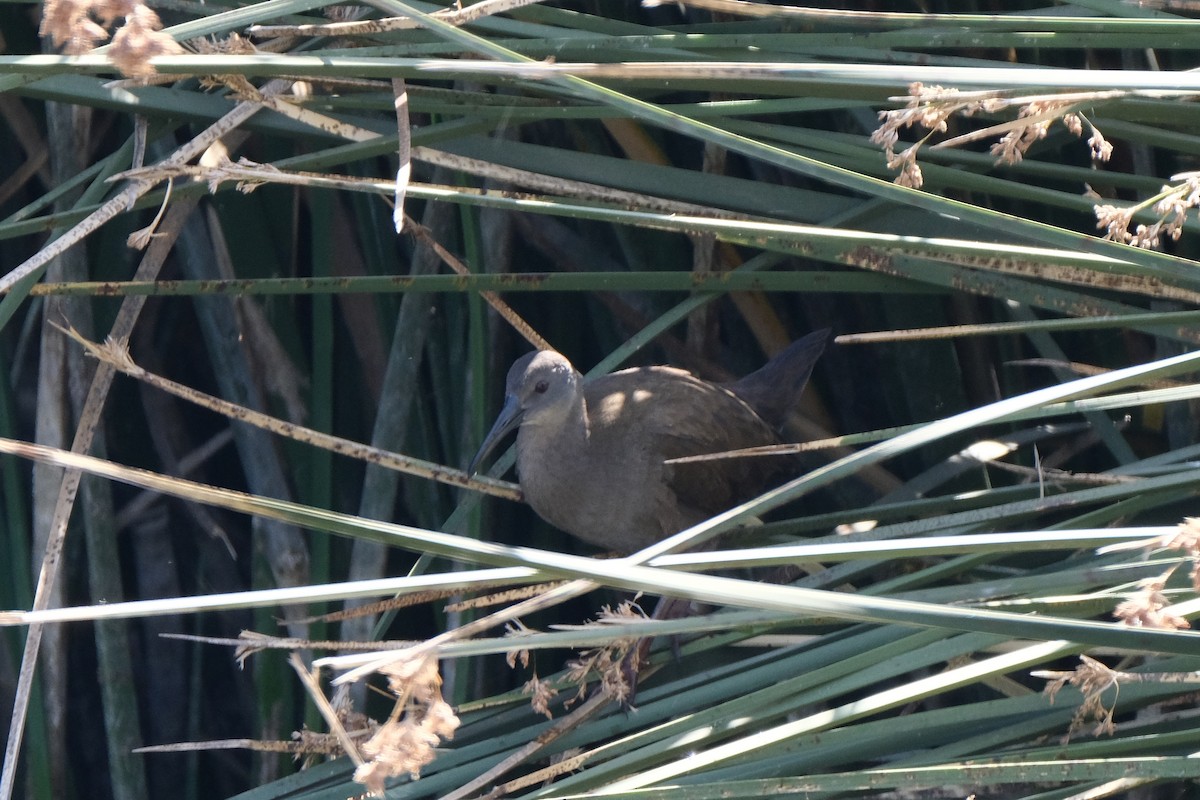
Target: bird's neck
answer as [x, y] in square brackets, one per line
[539, 444]
[571, 430]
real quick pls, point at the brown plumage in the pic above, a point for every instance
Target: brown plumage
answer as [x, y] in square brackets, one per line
[590, 456]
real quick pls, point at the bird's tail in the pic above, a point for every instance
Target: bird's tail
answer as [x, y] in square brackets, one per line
[773, 389]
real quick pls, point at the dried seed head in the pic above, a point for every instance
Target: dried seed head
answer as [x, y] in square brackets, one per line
[1145, 609]
[72, 25]
[541, 695]
[138, 41]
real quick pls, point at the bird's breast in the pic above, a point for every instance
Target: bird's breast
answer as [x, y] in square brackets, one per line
[607, 499]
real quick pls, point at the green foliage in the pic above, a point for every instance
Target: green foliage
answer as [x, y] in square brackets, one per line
[681, 184]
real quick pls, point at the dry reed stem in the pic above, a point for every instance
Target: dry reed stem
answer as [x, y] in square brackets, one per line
[116, 355]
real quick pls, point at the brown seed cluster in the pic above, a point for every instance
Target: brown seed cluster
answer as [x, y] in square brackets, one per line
[407, 741]
[1092, 679]
[1187, 539]
[931, 107]
[928, 107]
[608, 663]
[1147, 608]
[80, 25]
[1171, 205]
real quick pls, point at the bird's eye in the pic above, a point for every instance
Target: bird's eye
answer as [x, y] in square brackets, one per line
[541, 386]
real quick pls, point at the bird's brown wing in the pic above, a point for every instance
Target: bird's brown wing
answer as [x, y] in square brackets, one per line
[662, 413]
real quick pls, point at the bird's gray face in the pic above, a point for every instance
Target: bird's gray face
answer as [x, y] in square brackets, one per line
[541, 387]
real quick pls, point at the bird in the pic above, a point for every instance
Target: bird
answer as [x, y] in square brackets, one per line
[591, 456]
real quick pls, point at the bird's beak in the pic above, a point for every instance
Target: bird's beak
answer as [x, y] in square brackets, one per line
[507, 421]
